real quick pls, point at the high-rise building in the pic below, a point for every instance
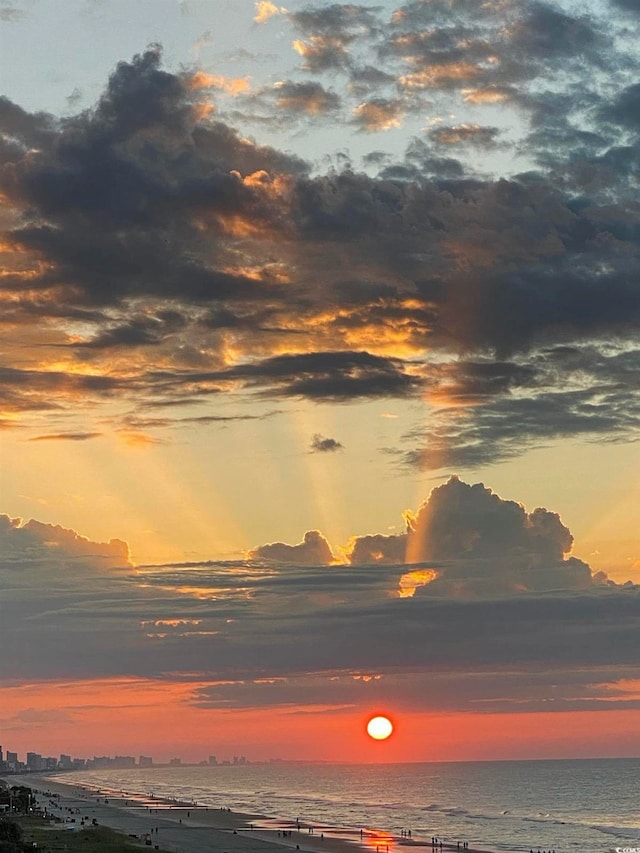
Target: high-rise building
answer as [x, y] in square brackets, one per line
[213, 760]
[34, 761]
[145, 761]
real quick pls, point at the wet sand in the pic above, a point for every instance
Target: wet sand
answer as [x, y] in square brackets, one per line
[191, 828]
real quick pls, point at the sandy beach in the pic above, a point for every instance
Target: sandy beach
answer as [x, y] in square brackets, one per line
[192, 828]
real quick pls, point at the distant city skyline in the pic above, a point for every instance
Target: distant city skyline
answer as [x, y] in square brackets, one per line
[35, 762]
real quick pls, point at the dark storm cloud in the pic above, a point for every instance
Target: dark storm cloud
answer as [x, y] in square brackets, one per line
[286, 102]
[465, 134]
[138, 331]
[550, 34]
[24, 128]
[22, 390]
[314, 550]
[322, 375]
[472, 382]
[624, 110]
[477, 690]
[369, 79]
[472, 643]
[120, 191]
[378, 548]
[322, 53]
[495, 546]
[146, 223]
[558, 284]
[327, 629]
[600, 398]
[424, 161]
[321, 444]
[329, 33]
[329, 375]
[337, 19]
[447, 44]
[309, 98]
[496, 435]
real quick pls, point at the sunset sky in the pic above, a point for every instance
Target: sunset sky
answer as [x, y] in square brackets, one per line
[319, 378]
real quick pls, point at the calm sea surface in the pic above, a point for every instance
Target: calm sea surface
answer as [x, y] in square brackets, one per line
[591, 806]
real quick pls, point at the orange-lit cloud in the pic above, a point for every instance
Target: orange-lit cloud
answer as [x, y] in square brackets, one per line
[230, 85]
[411, 581]
[440, 76]
[378, 115]
[309, 98]
[487, 95]
[265, 9]
[138, 439]
[321, 52]
[202, 111]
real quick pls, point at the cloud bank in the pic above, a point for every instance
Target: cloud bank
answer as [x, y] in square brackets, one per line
[47, 546]
[314, 550]
[493, 613]
[493, 546]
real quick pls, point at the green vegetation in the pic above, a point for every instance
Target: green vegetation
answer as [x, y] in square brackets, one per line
[23, 831]
[10, 837]
[46, 837]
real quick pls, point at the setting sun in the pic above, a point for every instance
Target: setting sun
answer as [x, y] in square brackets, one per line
[379, 728]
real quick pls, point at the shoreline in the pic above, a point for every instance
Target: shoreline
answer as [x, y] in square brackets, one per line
[189, 827]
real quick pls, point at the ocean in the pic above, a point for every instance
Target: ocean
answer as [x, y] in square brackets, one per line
[586, 805]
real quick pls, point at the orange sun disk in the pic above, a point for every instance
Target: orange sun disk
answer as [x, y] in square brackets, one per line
[379, 728]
